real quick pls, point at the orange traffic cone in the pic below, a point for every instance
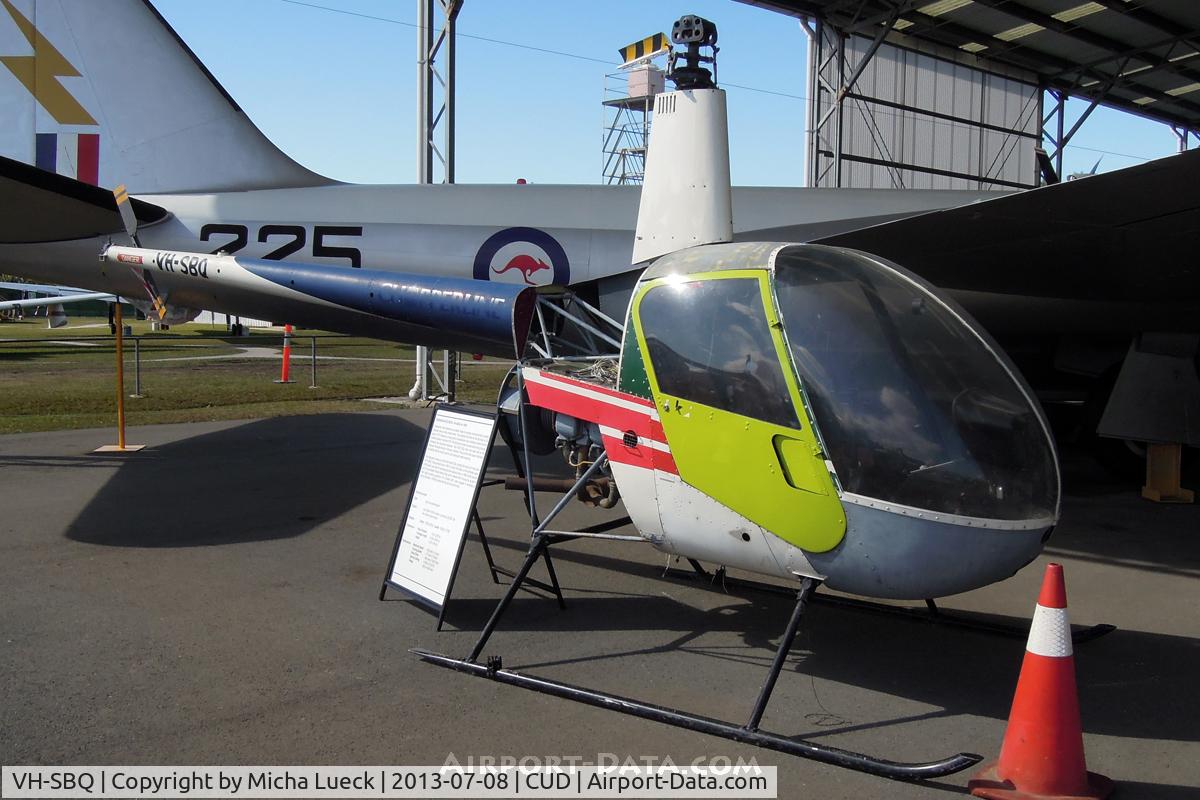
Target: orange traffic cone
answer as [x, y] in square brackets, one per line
[1042, 754]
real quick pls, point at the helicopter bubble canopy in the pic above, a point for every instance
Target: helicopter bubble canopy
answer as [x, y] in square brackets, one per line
[914, 405]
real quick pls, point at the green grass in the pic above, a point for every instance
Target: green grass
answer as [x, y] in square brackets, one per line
[64, 378]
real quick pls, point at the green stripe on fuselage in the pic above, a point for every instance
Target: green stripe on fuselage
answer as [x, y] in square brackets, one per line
[632, 376]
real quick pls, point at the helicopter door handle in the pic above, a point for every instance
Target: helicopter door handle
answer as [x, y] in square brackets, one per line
[799, 462]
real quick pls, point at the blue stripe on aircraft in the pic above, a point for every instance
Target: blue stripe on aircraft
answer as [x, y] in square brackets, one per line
[461, 305]
[47, 152]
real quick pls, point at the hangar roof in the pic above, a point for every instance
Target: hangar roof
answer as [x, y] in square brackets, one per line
[1141, 56]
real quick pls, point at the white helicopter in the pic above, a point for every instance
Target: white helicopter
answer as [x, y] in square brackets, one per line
[805, 412]
[810, 413]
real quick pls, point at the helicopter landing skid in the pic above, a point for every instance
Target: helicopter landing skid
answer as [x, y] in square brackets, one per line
[930, 614]
[749, 733]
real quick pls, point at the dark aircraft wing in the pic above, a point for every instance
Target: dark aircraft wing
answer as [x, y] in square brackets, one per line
[1120, 240]
[41, 206]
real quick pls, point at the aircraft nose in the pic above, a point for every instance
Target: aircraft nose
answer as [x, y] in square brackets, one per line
[909, 554]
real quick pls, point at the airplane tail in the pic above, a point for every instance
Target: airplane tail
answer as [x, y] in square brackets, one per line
[108, 93]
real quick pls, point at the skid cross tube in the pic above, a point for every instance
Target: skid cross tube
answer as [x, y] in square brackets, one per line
[714, 727]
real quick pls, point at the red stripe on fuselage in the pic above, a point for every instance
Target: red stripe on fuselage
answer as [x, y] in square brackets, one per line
[609, 408]
[569, 398]
[641, 456]
[634, 456]
[89, 158]
[632, 398]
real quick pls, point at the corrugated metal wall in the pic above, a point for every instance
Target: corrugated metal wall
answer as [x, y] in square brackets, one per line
[912, 109]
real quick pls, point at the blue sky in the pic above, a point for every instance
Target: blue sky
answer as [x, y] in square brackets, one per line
[335, 89]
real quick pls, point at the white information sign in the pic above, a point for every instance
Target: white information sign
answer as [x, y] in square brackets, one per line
[431, 537]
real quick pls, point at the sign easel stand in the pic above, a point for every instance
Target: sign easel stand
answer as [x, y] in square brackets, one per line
[441, 505]
[553, 587]
[420, 571]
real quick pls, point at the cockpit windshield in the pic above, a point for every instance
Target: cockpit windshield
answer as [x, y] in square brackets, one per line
[913, 406]
[730, 362]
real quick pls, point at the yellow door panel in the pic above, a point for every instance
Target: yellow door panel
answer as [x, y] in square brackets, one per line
[730, 405]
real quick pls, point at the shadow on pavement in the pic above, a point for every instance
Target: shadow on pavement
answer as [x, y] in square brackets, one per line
[1131, 683]
[269, 479]
[1105, 520]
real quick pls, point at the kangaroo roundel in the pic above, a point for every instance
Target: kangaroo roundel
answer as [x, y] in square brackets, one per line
[524, 256]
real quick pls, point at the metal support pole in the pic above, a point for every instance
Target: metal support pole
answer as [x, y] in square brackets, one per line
[313, 349]
[1041, 128]
[570, 493]
[539, 548]
[527, 466]
[417, 392]
[436, 44]
[487, 551]
[1183, 137]
[424, 89]
[812, 124]
[1062, 113]
[448, 371]
[451, 8]
[848, 86]
[1078, 123]
[535, 552]
[562, 604]
[839, 116]
[120, 341]
[807, 585]
[137, 367]
[827, 75]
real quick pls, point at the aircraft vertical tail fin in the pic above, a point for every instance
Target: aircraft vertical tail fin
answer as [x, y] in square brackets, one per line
[108, 93]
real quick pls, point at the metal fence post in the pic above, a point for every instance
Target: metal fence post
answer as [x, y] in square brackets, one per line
[313, 349]
[137, 367]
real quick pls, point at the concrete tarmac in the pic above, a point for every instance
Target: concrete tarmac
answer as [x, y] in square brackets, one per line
[213, 600]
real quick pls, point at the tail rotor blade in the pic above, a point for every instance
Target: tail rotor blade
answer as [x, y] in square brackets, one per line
[129, 219]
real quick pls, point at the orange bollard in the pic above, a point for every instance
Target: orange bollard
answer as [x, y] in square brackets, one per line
[286, 369]
[1042, 755]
